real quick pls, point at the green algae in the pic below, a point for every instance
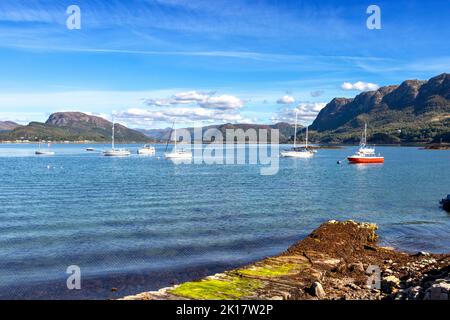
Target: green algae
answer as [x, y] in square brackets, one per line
[270, 270]
[232, 288]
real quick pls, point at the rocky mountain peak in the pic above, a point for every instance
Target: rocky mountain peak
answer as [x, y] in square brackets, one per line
[417, 95]
[64, 119]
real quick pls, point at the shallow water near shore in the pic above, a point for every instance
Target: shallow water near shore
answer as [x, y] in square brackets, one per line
[140, 223]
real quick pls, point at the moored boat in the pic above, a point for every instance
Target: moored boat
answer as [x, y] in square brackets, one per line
[365, 158]
[42, 152]
[298, 152]
[365, 154]
[115, 152]
[177, 153]
[147, 150]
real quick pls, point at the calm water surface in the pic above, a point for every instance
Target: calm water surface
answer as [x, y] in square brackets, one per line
[139, 223]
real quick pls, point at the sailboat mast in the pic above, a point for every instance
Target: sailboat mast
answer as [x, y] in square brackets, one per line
[175, 128]
[306, 137]
[365, 133]
[113, 125]
[295, 132]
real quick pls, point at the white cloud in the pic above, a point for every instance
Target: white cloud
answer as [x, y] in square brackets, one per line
[224, 102]
[199, 99]
[286, 100]
[306, 111]
[360, 86]
[190, 97]
[187, 115]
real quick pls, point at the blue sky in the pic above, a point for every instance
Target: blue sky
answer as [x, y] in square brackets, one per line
[150, 61]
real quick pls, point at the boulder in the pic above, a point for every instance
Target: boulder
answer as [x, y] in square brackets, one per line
[438, 291]
[317, 290]
[389, 284]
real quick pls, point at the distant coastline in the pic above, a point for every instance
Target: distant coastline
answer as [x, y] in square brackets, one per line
[423, 145]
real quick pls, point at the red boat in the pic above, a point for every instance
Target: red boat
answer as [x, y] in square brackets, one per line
[365, 154]
[365, 158]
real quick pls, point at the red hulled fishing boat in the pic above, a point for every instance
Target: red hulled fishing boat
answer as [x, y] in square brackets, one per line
[365, 154]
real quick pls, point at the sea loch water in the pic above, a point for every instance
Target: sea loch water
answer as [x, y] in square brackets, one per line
[139, 223]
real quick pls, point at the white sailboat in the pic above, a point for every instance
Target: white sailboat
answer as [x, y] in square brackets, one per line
[298, 152]
[177, 153]
[42, 152]
[114, 152]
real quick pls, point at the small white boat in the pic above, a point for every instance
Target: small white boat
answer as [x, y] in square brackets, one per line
[298, 152]
[147, 150]
[117, 153]
[177, 154]
[42, 152]
[90, 149]
[114, 152]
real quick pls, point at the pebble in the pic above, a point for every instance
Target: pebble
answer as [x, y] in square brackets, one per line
[388, 271]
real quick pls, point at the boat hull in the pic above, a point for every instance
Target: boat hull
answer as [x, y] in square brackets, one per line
[295, 154]
[146, 151]
[176, 155]
[44, 153]
[366, 159]
[116, 153]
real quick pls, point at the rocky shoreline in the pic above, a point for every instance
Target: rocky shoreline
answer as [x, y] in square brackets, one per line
[337, 261]
[437, 146]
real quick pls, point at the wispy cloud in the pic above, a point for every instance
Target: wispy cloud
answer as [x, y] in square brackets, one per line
[76, 100]
[316, 93]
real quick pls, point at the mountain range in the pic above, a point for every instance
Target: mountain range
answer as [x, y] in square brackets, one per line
[286, 130]
[416, 111]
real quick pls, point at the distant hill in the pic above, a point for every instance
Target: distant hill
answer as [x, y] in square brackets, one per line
[74, 126]
[286, 130]
[414, 111]
[8, 125]
[157, 134]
